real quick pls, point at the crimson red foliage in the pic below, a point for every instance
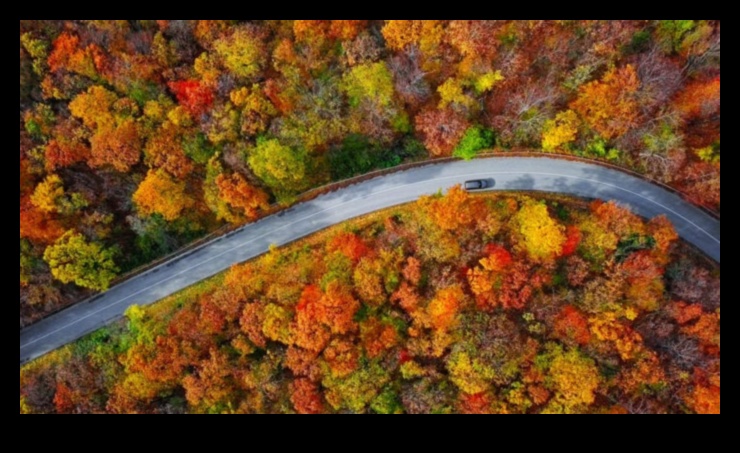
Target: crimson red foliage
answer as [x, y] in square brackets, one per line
[573, 238]
[193, 95]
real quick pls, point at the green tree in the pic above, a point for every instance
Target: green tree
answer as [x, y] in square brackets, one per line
[29, 261]
[357, 155]
[284, 169]
[671, 33]
[243, 52]
[356, 391]
[198, 148]
[88, 264]
[475, 139]
[38, 50]
[372, 81]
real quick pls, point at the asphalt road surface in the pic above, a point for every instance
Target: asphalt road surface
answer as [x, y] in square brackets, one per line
[505, 173]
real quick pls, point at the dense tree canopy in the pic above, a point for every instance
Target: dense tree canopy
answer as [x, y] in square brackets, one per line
[87, 264]
[362, 318]
[161, 194]
[231, 116]
[283, 168]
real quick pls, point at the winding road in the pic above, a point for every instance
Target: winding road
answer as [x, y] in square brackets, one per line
[507, 173]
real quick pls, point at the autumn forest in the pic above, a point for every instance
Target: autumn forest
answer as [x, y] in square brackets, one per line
[455, 303]
[138, 138]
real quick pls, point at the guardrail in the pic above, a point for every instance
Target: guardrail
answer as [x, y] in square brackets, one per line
[310, 194]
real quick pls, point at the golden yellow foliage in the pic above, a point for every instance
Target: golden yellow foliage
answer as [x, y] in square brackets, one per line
[575, 378]
[469, 374]
[455, 209]
[662, 230]
[411, 370]
[427, 35]
[400, 33]
[543, 237]
[47, 193]
[155, 110]
[451, 91]
[486, 81]
[560, 131]
[160, 193]
[25, 409]
[277, 324]
[180, 117]
[241, 195]
[606, 327]
[93, 107]
[243, 52]
[596, 238]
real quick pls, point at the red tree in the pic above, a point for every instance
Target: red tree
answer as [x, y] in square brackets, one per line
[306, 397]
[571, 323]
[193, 95]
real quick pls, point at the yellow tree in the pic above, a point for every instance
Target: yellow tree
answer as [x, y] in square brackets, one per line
[50, 196]
[93, 107]
[427, 35]
[256, 109]
[469, 374]
[372, 81]
[454, 210]
[337, 308]
[400, 34]
[560, 131]
[88, 264]
[442, 310]
[160, 193]
[543, 236]
[451, 91]
[117, 139]
[47, 194]
[484, 278]
[661, 229]
[212, 193]
[243, 52]
[368, 281]
[574, 378]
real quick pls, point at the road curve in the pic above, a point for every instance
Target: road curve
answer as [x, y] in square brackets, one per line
[508, 173]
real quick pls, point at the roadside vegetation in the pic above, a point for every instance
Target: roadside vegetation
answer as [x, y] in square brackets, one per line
[501, 303]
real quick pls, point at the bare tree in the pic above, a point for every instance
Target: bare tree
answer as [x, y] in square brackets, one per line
[408, 77]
